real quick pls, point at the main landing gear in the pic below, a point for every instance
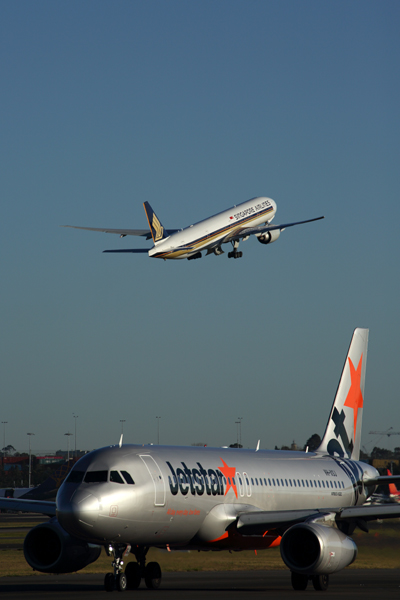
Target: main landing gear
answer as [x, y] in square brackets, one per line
[134, 572]
[300, 581]
[235, 253]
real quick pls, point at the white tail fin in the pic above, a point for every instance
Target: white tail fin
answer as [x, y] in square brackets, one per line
[343, 432]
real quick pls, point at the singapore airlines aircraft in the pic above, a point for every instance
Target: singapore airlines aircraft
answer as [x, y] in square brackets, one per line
[128, 498]
[252, 217]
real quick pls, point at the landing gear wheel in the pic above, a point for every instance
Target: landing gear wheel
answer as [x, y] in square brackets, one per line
[152, 575]
[109, 582]
[121, 582]
[134, 575]
[320, 582]
[299, 581]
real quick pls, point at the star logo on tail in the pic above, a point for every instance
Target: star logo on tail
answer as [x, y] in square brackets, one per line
[229, 474]
[354, 397]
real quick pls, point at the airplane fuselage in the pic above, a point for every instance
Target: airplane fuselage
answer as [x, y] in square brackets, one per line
[212, 232]
[189, 496]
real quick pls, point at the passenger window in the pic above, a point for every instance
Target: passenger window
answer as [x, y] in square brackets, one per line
[319, 483]
[335, 485]
[286, 482]
[323, 484]
[294, 481]
[115, 477]
[127, 477]
[306, 483]
[252, 482]
[282, 482]
[269, 481]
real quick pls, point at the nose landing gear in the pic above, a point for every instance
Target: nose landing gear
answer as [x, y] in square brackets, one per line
[134, 572]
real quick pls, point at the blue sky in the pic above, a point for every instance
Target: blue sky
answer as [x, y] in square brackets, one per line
[194, 107]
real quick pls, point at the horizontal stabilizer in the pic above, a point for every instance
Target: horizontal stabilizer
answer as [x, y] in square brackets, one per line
[383, 479]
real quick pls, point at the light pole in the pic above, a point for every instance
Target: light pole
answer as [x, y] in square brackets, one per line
[158, 430]
[122, 421]
[237, 423]
[75, 417]
[240, 419]
[68, 434]
[4, 423]
[30, 469]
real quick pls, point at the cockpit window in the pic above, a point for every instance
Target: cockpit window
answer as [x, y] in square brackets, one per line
[95, 476]
[75, 477]
[115, 477]
[127, 477]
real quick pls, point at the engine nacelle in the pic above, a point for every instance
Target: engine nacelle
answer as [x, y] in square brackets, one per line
[50, 549]
[269, 236]
[314, 549]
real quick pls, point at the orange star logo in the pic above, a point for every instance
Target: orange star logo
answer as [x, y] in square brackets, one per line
[229, 474]
[354, 397]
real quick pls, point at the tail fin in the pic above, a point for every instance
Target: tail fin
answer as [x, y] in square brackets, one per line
[158, 232]
[343, 432]
[48, 489]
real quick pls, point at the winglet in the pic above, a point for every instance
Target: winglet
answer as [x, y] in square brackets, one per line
[157, 230]
[343, 432]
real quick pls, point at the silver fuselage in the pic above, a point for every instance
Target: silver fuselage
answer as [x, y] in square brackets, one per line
[189, 496]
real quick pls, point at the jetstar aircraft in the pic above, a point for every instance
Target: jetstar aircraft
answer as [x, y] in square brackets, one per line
[128, 498]
[252, 217]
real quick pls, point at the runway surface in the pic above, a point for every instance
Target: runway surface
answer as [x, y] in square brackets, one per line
[348, 584]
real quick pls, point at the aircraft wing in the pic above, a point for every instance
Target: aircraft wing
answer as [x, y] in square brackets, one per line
[258, 522]
[35, 506]
[264, 228]
[122, 232]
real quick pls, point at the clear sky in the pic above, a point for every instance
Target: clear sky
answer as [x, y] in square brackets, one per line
[194, 107]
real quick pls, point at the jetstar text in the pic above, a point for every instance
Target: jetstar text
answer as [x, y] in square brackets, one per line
[196, 481]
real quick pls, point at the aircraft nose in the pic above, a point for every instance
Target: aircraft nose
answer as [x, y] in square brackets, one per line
[77, 514]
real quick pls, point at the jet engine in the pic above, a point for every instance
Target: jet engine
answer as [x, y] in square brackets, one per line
[314, 549]
[50, 549]
[269, 236]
